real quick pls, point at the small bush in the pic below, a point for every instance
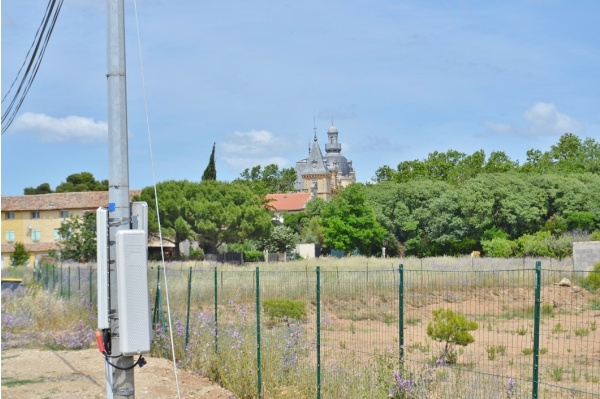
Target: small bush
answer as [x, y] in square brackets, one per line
[284, 309]
[592, 280]
[453, 329]
[254, 256]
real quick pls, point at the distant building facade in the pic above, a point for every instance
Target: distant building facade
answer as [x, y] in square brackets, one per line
[35, 220]
[324, 175]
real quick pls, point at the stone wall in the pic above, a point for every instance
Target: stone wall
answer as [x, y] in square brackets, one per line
[585, 255]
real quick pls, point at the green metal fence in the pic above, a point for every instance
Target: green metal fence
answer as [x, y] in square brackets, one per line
[364, 334]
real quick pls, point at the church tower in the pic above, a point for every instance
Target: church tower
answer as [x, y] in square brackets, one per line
[323, 176]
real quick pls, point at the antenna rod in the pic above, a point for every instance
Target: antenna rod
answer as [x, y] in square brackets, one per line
[119, 383]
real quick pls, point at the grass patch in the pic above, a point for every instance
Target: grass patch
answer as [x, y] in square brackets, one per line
[9, 382]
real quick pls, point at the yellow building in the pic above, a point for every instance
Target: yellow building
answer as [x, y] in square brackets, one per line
[34, 220]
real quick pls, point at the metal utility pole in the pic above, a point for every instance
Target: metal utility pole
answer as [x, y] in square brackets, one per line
[119, 383]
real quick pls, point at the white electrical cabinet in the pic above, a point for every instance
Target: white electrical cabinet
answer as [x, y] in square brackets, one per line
[139, 216]
[132, 288]
[102, 269]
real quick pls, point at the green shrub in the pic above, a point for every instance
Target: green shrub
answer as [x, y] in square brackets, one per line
[196, 254]
[499, 247]
[284, 309]
[453, 329]
[254, 256]
[20, 256]
[592, 280]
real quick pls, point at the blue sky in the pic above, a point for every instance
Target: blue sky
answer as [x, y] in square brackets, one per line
[399, 79]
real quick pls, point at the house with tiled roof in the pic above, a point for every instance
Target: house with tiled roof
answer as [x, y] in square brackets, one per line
[287, 203]
[34, 220]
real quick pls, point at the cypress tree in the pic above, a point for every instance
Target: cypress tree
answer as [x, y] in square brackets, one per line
[210, 173]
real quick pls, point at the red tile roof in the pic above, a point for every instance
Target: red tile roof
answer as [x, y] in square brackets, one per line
[288, 202]
[32, 247]
[62, 201]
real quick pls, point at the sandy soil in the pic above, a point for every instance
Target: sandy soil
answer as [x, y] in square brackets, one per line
[32, 373]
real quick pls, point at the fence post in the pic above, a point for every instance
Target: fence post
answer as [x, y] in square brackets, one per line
[187, 319]
[318, 332]
[258, 366]
[401, 313]
[69, 284]
[216, 289]
[61, 280]
[536, 330]
[79, 279]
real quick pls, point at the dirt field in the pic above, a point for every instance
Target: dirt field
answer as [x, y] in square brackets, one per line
[32, 373]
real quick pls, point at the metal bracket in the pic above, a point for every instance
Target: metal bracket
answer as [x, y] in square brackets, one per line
[118, 221]
[124, 391]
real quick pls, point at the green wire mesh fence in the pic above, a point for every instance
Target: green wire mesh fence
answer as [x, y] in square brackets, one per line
[372, 333]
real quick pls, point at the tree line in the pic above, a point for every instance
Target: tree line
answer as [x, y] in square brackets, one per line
[447, 204]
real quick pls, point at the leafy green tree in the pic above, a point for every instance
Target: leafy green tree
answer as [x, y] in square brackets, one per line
[349, 223]
[227, 213]
[384, 173]
[80, 182]
[43, 188]
[210, 173]
[20, 256]
[440, 165]
[505, 201]
[568, 154]
[537, 162]
[211, 212]
[78, 238]
[315, 207]
[561, 194]
[313, 233]
[282, 240]
[581, 221]
[269, 180]
[452, 329]
[175, 198]
[296, 221]
[411, 171]
[466, 168]
[391, 209]
[499, 162]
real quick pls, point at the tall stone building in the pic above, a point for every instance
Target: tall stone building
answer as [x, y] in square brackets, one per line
[323, 176]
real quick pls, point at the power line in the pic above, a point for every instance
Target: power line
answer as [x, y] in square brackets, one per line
[39, 44]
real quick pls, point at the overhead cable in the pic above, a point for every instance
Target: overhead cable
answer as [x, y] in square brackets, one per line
[33, 62]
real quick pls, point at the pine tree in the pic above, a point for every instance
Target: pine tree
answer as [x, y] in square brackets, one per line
[210, 173]
[20, 256]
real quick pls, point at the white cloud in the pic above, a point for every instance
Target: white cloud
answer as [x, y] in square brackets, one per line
[70, 128]
[239, 164]
[255, 142]
[543, 120]
[546, 120]
[243, 150]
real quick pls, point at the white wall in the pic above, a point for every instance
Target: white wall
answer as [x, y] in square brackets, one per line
[306, 251]
[585, 255]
